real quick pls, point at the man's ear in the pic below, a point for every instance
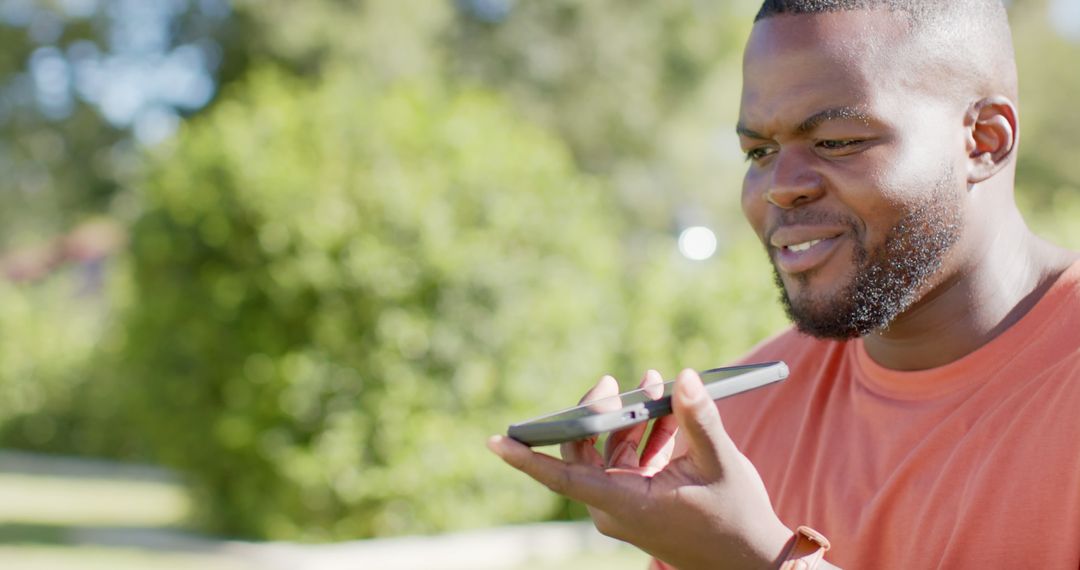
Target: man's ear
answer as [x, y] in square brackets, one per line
[993, 131]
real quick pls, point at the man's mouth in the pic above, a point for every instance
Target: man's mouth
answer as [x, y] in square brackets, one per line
[800, 247]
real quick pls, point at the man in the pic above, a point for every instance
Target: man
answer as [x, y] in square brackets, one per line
[932, 415]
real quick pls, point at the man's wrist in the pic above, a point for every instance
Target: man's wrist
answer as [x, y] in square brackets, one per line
[805, 550]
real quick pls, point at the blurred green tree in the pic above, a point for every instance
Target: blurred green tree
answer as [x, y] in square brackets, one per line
[83, 84]
[40, 361]
[627, 86]
[340, 290]
[1048, 174]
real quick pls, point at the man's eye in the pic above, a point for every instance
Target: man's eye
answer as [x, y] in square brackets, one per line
[838, 144]
[756, 154]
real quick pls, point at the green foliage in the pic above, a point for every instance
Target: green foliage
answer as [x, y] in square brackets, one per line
[341, 291]
[61, 158]
[1048, 174]
[40, 361]
[565, 62]
[635, 90]
[54, 335]
[701, 315]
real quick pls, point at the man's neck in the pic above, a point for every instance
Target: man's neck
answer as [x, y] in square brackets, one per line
[972, 307]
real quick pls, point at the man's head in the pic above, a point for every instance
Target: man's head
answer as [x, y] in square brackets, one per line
[880, 136]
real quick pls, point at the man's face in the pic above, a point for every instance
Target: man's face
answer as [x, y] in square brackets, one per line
[850, 183]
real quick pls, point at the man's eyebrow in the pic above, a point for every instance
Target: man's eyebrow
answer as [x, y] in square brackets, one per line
[833, 114]
[741, 130]
[814, 121]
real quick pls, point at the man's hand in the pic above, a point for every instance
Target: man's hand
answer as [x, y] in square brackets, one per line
[706, 508]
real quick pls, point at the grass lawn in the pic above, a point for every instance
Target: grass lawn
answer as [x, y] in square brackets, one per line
[48, 522]
[64, 501]
[57, 521]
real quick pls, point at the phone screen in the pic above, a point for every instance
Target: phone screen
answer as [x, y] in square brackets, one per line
[639, 396]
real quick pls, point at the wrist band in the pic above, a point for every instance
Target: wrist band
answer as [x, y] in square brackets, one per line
[807, 550]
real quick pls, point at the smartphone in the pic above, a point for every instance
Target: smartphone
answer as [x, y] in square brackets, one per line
[618, 412]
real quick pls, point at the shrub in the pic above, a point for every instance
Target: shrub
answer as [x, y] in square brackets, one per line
[341, 290]
[56, 335]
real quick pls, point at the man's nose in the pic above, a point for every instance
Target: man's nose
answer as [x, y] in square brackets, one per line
[794, 180]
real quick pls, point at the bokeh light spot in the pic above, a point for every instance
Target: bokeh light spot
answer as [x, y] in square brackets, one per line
[697, 243]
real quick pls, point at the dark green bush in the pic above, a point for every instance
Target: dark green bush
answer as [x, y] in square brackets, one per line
[340, 291]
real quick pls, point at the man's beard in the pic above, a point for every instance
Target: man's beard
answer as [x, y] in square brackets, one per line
[886, 280]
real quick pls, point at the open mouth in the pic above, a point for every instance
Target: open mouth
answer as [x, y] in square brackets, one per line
[805, 246]
[807, 255]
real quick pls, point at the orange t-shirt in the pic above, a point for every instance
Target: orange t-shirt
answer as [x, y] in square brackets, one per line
[975, 464]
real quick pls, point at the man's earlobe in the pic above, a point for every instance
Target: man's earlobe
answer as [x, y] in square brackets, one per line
[993, 132]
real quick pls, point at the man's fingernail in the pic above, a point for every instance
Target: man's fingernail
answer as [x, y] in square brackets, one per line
[496, 445]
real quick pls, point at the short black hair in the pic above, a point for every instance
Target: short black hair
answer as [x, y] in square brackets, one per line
[918, 10]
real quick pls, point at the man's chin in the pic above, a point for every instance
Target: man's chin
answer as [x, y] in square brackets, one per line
[812, 292]
[823, 320]
[823, 311]
[825, 326]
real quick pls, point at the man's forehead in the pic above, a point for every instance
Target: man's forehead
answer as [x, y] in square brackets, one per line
[822, 27]
[790, 90]
[799, 65]
[844, 36]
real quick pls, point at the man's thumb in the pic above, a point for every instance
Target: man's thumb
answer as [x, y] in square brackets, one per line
[700, 423]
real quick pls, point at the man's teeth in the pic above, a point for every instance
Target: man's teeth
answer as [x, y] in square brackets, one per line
[803, 246]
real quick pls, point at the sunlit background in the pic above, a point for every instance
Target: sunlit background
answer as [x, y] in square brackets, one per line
[273, 270]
